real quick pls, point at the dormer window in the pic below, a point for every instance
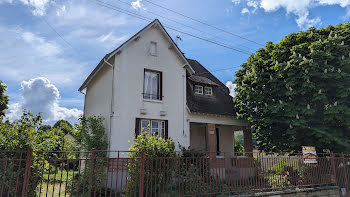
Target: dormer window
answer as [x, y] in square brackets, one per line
[208, 91]
[198, 89]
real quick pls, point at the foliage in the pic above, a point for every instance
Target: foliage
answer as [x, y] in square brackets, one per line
[28, 132]
[152, 147]
[297, 92]
[293, 172]
[22, 134]
[92, 133]
[65, 126]
[3, 99]
[238, 146]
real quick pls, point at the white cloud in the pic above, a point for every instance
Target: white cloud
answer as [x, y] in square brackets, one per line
[253, 4]
[304, 22]
[60, 10]
[231, 86]
[299, 8]
[84, 14]
[342, 3]
[112, 39]
[43, 47]
[25, 54]
[136, 4]
[41, 96]
[244, 11]
[38, 6]
[347, 15]
[236, 1]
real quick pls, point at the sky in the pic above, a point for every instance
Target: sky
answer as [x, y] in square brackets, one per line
[48, 47]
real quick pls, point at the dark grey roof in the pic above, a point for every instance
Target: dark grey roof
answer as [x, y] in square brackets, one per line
[201, 80]
[220, 102]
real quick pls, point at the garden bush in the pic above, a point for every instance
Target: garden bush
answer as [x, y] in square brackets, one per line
[157, 172]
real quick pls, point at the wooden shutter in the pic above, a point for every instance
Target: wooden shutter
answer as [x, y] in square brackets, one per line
[166, 129]
[161, 85]
[137, 126]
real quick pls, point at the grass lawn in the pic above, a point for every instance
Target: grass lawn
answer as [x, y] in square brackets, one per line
[54, 190]
[55, 185]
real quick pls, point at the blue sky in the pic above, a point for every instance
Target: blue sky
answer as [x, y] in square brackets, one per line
[48, 47]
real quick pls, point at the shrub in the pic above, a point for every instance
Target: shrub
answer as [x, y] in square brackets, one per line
[91, 135]
[152, 147]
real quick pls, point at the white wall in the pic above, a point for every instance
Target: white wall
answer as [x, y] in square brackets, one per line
[128, 98]
[98, 96]
[215, 119]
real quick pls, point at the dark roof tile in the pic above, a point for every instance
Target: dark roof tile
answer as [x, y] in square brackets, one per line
[220, 102]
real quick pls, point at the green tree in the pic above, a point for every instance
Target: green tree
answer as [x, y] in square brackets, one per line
[3, 99]
[27, 132]
[65, 126]
[92, 133]
[297, 92]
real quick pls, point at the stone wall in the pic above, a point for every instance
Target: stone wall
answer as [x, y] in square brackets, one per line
[330, 191]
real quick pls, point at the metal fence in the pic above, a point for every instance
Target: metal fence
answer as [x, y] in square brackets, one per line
[124, 173]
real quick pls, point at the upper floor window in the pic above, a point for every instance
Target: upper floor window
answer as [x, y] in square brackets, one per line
[198, 89]
[153, 48]
[152, 85]
[208, 91]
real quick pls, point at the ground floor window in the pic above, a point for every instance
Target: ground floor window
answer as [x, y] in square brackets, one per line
[154, 127]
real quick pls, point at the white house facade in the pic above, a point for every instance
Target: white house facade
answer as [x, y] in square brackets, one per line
[148, 81]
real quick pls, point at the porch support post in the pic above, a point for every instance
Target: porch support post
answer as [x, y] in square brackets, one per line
[248, 142]
[211, 143]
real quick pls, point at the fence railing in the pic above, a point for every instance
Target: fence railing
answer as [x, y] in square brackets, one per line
[125, 173]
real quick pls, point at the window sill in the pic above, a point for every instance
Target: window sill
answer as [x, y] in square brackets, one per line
[153, 101]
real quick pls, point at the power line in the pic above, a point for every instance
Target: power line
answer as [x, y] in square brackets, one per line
[188, 26]
[101, 3]
[224, 69]
[53, 29]
[204, 23]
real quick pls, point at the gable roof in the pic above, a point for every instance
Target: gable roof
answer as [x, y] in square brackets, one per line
[220, 103]
[202, 80]
[115, 51]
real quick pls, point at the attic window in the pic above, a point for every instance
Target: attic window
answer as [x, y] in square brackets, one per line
[198, 89]
[208, 91]
[153, 49]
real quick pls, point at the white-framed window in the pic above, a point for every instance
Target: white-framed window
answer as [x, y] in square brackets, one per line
[154, 127]
[198, 89]
[152, 85]
[153, 48]
[208, 91]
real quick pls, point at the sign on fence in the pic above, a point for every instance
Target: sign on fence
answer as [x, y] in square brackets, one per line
[309, 154]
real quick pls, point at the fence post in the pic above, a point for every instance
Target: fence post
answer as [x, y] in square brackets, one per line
[142, 173]
[27, 172]
[333, 169]
[91, 170]
[345, 174]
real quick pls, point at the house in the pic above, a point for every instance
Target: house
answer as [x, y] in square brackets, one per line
[148, 81]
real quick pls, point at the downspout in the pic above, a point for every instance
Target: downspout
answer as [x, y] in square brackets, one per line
[183, 103]
[112, 102]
